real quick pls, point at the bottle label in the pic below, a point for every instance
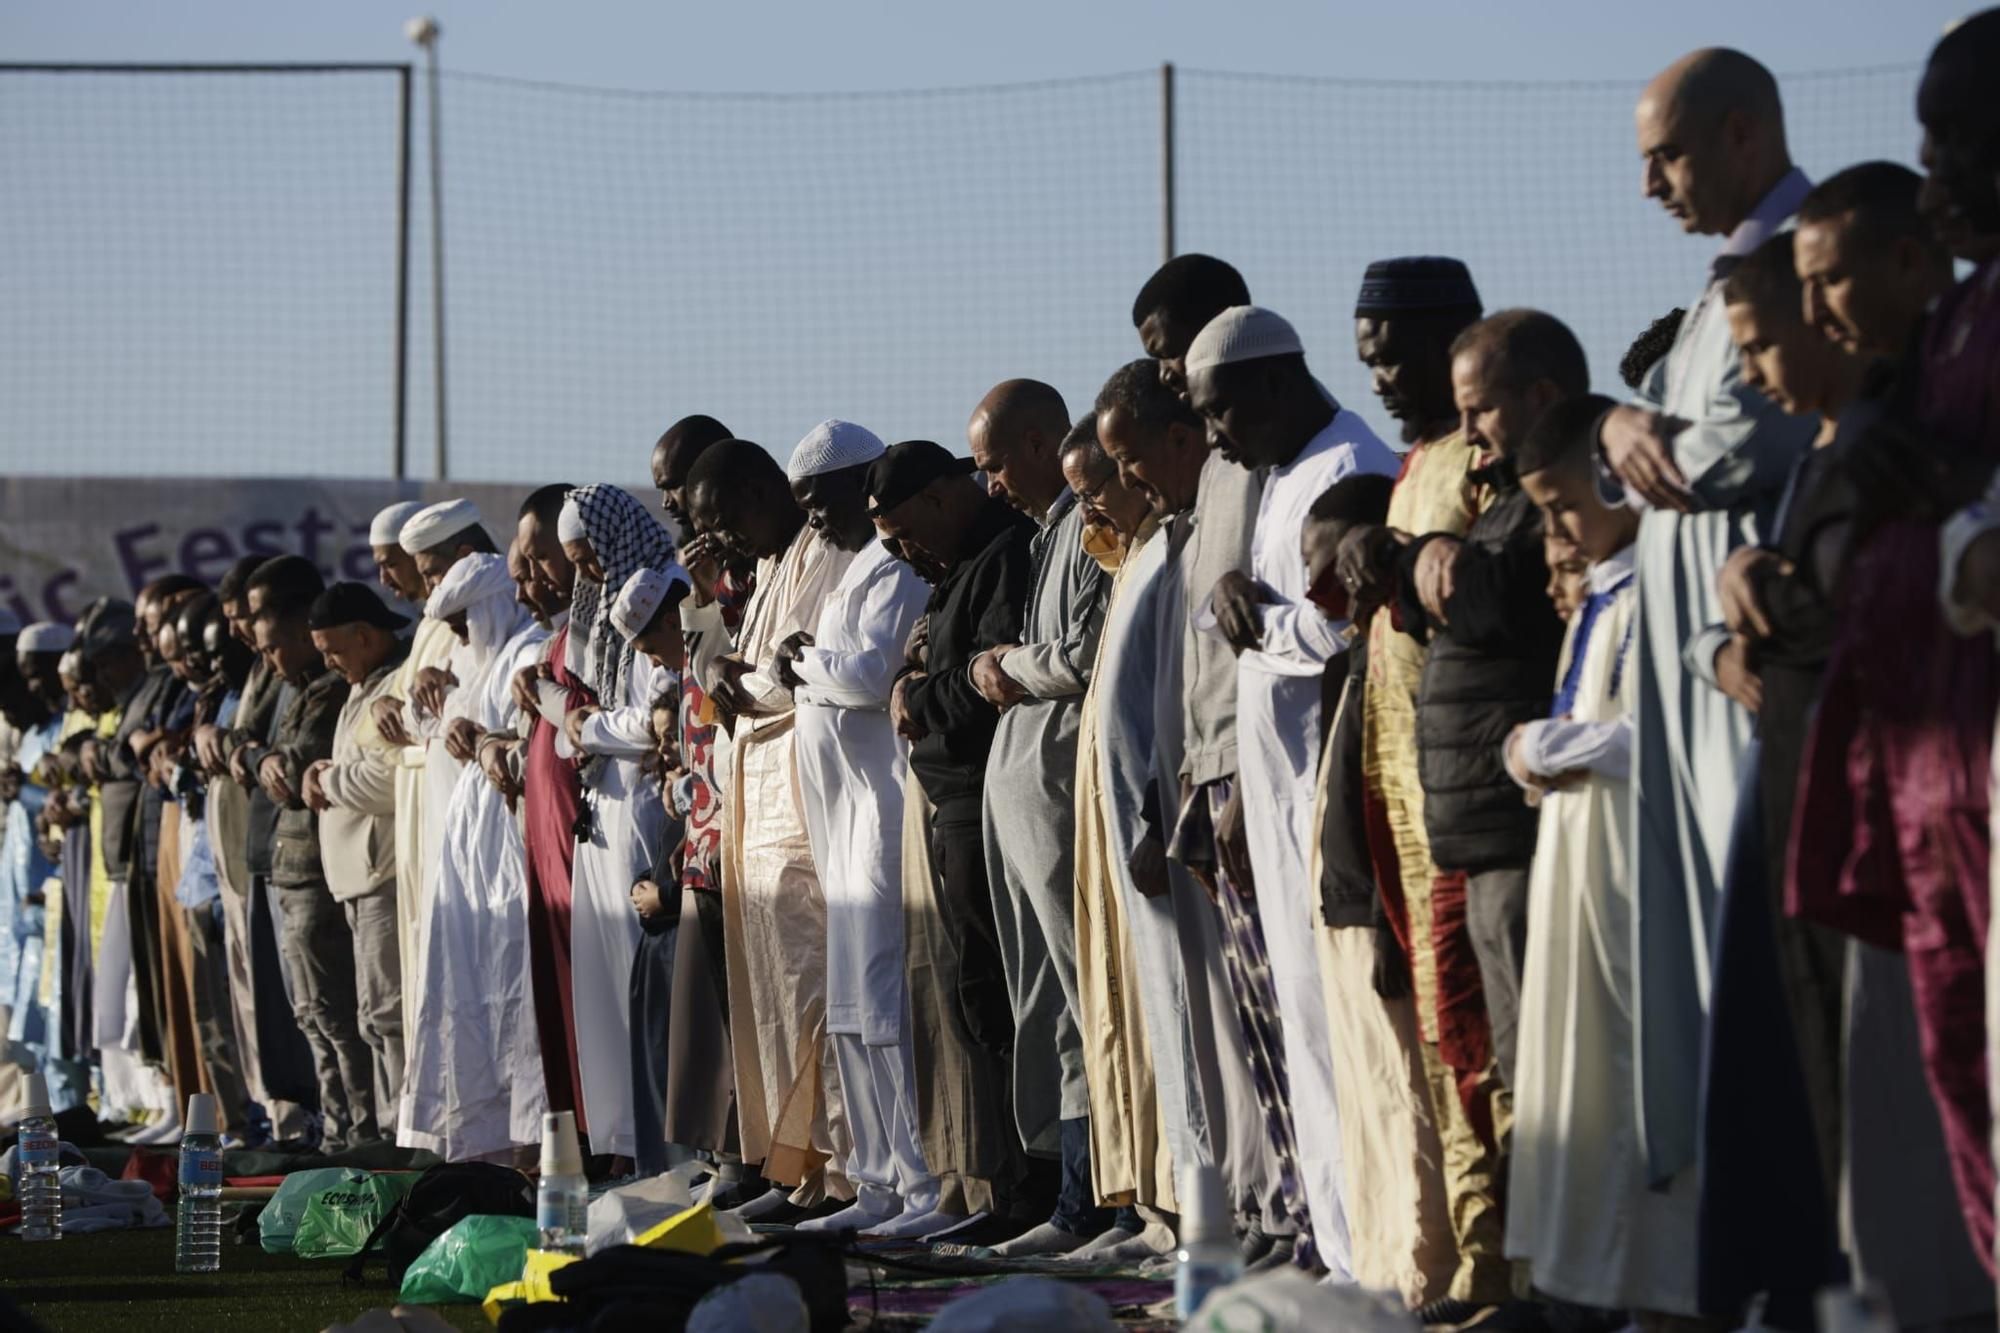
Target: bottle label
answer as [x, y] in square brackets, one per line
[38, 1146]
[201, 1166]
[556, 1211]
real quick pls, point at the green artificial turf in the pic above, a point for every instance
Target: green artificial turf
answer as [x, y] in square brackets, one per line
[117, 1280]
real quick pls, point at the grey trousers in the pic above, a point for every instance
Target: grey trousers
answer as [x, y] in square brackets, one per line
[1496, 917]
[378, 993]
[214, 1015]
[318, 949]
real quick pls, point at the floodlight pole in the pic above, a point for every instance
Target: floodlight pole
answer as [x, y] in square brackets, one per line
[425, 33]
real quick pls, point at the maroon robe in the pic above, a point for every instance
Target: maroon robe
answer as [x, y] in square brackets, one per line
[1890, 840]
[553, 796]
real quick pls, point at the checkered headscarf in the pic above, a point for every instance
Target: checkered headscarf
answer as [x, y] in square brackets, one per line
[625, 537]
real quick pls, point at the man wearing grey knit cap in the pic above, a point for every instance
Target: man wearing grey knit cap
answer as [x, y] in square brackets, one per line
[1247, 379]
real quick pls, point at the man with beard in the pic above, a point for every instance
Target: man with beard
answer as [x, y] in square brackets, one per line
[1915, 700]
[1248, 380]
[977, 552]
[788, 1108]
[851, 772]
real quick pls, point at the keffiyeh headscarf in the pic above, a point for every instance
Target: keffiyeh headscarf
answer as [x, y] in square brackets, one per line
[625, 537]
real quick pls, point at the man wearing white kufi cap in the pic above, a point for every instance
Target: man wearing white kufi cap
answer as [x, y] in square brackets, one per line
[434, 537]
[396, 567]
[851, 768]
[1247, 378]
[475, 1085]
[774, 934]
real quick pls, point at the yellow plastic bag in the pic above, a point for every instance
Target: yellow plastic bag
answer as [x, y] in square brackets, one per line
[694, 1231]
[533, 1285]
[691, 1232]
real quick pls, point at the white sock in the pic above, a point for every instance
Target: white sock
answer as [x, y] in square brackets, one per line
[1046, 1239]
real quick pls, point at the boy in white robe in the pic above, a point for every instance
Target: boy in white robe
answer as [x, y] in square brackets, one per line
[1581, 1213]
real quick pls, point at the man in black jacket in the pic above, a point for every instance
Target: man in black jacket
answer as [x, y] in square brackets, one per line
[1481, 604]
[315, 939]
[974, 551]
[925, 500]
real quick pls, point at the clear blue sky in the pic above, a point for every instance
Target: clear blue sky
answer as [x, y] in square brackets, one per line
[197, 276]
[853, 45]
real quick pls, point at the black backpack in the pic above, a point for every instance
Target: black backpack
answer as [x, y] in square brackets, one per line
[442, 1195]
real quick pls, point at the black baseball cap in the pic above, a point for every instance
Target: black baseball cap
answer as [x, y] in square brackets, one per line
[349, 603]
[906, 468]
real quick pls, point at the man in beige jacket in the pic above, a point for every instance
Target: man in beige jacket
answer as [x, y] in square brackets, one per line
[355, 793]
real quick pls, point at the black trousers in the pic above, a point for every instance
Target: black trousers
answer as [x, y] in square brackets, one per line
[965, 902]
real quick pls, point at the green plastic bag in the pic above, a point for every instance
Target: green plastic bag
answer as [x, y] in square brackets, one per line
[475, 1256]
[279, 1222]
[338, 1220]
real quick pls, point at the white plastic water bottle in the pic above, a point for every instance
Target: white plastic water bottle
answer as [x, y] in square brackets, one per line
[40, 1159]
[562, 1200]
[198, 1228]
[1209, 1256]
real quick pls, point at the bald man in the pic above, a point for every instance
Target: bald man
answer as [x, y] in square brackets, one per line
[1704, 456]
[1030, 814]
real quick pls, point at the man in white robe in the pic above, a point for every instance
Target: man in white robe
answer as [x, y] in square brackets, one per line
[788, 1105]
[475, 1081]
[430, 539]
[1705, 457]
[609, 535]
[851, 768]
[1247, 379]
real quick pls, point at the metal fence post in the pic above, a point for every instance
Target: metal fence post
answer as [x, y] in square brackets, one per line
[1167, 159]
[401, 457]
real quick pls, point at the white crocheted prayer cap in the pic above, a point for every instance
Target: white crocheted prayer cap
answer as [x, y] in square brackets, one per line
[639, 600]
[45, 636]
[387, 529]
[831, 446]
[1242, 333]
[427, 527]
[570, 526]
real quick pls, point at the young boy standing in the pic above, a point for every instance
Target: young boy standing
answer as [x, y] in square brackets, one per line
[1581, 1212]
